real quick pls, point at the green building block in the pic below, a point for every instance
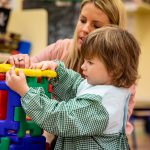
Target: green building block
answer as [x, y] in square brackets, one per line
[4, 143]
[25, 125]
[33, 82]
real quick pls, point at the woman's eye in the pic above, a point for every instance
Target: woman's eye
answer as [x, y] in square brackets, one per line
[83, 20]
[97, 26]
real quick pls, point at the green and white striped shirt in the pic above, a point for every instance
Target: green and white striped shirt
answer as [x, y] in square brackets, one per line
[84, 117]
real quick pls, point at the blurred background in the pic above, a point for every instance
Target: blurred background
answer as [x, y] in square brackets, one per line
[27, 26]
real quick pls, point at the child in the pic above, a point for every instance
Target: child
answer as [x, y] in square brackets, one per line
[90, 113]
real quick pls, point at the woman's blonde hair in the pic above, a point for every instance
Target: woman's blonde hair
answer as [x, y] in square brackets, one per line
[115, 12]
[118, 50]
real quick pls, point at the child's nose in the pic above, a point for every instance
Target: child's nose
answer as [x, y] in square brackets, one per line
[83, 66]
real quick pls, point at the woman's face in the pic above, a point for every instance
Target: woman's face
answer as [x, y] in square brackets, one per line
[90, 18]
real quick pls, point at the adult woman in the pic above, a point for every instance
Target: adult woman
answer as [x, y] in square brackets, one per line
[93, 14]
[103, 13]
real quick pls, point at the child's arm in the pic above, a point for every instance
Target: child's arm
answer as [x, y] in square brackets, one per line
[67, 79]
[80, 116]
[70, 117]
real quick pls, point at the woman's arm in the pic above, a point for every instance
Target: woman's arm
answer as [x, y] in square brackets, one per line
[129, 126]
[53, 51]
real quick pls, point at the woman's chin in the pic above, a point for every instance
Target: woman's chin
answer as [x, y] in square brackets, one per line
[79, 46]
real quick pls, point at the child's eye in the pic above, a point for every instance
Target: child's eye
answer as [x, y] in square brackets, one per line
[90, 62]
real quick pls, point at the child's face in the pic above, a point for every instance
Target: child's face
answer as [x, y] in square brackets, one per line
[95, 72]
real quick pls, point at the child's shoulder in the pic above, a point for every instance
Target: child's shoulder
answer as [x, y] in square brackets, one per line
[101, 90]
[86, 88]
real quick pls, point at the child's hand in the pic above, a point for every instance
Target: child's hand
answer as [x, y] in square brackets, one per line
[17, 82]
[44, 65]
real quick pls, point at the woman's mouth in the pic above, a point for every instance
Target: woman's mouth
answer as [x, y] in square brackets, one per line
[81, 39]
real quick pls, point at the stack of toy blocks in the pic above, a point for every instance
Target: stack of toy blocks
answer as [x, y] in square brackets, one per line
[17, 132]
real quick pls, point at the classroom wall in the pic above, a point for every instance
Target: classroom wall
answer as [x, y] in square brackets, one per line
[61, 19]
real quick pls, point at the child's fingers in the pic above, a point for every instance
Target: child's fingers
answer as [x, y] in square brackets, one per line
[54, 66]
[44, 66]
[7, 77]
[39, 65]
[21, 74]
[12, 70]
[32, 66]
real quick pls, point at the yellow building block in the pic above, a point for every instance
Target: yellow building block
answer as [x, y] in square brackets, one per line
[29, 72]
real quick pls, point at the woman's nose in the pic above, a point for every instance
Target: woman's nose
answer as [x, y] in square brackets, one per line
[87, 28]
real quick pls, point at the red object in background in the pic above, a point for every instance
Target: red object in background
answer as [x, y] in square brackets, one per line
[14, 52]
[3, 100]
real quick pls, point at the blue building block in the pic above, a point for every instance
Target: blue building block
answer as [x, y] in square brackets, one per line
[13, 100]
[24, 47]
[28, 143]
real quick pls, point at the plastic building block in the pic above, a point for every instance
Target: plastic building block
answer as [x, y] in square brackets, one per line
[13, 101]
[33, 82]
[28, 143]
[3, 104]
[29, 72]
[4, 143]
[50, 88]
[2, 76]
[20, 116]
[3, 100]
[24, 47]
[16, 132]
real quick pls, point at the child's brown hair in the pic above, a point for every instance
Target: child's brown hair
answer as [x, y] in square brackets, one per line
[119, 51]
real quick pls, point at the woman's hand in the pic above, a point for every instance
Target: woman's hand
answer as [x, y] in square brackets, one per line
[19, 60]
[44, 65]
[17, 82]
